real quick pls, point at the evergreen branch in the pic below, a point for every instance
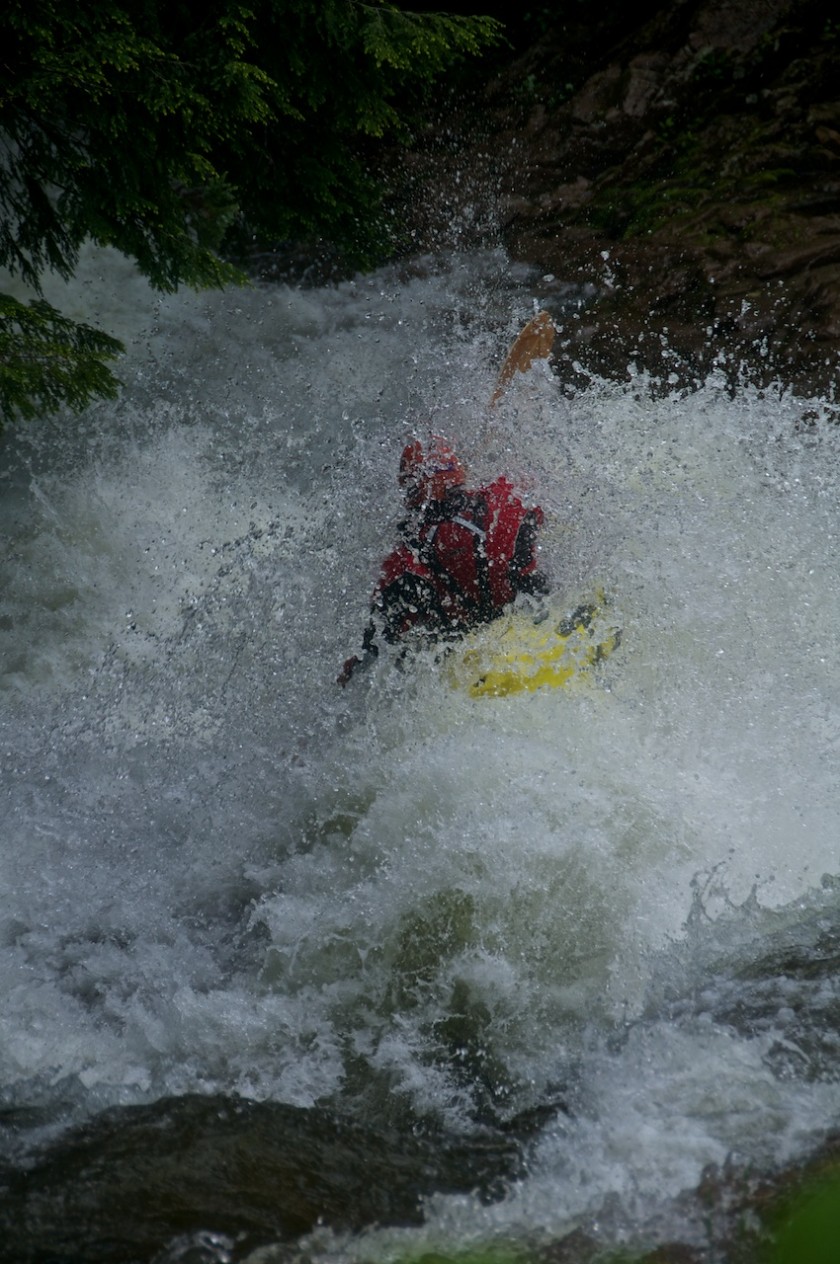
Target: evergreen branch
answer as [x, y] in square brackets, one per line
[173, 131]
[47, 360]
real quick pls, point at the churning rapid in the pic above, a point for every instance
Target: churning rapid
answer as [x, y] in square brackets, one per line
[575, 918]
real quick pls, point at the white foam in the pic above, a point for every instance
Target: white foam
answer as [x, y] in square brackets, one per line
[225, 873]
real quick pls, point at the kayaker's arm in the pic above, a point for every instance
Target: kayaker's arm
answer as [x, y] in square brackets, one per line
[524, 575]
[370, 651]
[406, 603]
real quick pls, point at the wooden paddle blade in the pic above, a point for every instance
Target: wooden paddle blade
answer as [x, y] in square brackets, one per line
[534, 343]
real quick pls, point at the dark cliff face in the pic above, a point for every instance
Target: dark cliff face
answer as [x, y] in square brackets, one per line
[687, 165]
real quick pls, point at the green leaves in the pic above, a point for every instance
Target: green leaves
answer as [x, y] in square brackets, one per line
[413, 42]
[47, 360]
[102, 130]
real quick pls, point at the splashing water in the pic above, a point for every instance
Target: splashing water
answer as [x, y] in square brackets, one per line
[222, 874]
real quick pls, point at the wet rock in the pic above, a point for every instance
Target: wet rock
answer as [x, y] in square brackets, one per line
[687, 166]
[194, 1170]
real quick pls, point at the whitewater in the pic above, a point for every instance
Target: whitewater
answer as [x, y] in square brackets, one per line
[223, 874]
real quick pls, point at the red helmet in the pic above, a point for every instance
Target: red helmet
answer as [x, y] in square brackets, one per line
[426, 474]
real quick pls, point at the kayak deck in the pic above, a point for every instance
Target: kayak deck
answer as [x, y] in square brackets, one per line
[520, 652]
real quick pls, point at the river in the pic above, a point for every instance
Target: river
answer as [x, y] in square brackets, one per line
[464, 973]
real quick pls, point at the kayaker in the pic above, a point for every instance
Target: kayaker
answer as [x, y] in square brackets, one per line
[462, 557]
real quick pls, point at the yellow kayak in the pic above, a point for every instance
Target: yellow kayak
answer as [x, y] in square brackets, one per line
[521, 652]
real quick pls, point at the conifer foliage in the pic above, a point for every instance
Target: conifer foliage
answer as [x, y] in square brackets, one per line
[169, 129]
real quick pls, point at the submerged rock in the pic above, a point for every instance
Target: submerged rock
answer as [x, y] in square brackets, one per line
[214, 1170]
